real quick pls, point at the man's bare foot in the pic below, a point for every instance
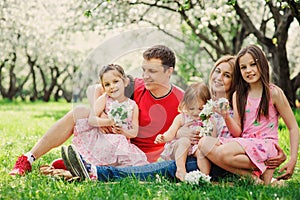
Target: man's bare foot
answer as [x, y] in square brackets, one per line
[180, 175]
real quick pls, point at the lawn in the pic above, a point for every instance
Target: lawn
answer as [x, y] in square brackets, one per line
[22, 124]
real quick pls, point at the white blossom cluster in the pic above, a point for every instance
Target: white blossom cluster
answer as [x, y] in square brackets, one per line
[206, 129]
[118, 112]
[207, 110]
[205, 114]
[196, 178]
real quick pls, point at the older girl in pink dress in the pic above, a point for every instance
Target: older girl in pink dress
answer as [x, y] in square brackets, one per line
[112, 149]
[257, 105]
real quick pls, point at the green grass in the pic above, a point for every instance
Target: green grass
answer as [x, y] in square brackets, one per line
[22, 124]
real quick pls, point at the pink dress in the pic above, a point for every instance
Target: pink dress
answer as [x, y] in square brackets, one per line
[108, 149]
[168, 154]
[258, 137]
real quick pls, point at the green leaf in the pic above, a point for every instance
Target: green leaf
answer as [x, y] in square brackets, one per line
[231, 2]
[88, 13]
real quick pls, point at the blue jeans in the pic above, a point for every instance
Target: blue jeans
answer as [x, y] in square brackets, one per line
[149, 171]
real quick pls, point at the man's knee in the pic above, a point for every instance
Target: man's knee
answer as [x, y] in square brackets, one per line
[80, 112]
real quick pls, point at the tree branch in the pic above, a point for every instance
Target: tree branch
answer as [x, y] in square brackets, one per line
[250, 26]
[275, 12]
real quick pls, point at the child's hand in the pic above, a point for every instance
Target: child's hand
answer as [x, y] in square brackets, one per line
[117, 129]
[288, 170]
[159, 139]
[276, 161]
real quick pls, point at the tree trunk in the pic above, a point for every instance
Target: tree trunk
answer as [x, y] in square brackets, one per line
[31, 64]
[12, 90]
[281, 72]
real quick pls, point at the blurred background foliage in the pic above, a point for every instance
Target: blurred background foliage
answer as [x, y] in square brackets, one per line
[46, 44]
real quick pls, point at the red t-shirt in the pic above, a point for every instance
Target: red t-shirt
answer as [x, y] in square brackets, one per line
[155, 117]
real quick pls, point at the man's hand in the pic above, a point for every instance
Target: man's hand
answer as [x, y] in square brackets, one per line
[185, 131]
[272, 163]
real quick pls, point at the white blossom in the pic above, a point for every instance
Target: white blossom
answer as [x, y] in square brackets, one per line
[206, 113]
[157, 178]
[118, 112]
[196, 177]
[207, 110]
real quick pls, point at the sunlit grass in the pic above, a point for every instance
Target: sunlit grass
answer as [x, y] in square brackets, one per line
[22, 124]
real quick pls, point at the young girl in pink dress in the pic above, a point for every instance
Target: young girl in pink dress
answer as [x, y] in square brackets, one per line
[190, 107]
[112, 149]
[257, 105]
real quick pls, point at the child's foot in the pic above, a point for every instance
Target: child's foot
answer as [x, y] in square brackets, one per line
[180, 175]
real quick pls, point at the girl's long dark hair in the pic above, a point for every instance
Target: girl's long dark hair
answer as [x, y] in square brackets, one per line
[242, 87]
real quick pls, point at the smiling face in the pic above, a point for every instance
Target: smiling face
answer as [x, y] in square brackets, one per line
[249, 69]
[156, 77]
[221, 79]
[114, 85]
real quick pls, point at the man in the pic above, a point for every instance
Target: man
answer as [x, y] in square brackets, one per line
[156, 98]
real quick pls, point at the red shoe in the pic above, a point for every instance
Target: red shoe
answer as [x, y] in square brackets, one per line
[21, 167]
[59, 164]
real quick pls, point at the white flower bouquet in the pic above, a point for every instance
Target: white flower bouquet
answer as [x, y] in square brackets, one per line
[118, 112]
[207, 112]
[196, 178]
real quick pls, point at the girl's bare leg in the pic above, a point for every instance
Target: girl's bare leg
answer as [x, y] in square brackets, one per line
[230, 156]
[202, 162]
[59, 132]
[180, 155]
[267, 176]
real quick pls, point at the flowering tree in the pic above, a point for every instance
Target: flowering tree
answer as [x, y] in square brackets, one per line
[37, 59]
[218, 26]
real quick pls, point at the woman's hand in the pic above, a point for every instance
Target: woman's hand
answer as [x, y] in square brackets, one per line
[185, 131]
[272, 163]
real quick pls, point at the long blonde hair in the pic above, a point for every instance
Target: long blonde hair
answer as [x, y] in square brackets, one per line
[224, 59]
